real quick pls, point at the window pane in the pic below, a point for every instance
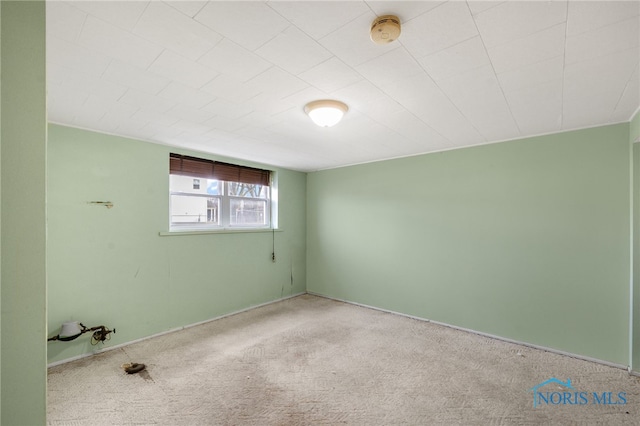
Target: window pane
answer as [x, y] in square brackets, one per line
[202, 203]
[237, 189]
[191, 185]
[213, 210]
[214, 187]
[191, 209]
[248, 212]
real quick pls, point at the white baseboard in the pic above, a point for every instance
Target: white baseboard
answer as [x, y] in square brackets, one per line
[480, 333]
[492, 336]
[110, 348]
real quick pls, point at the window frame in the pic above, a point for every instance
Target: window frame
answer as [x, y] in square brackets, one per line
[225, 200]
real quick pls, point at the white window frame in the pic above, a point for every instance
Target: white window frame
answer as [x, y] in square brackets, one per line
[225, 210]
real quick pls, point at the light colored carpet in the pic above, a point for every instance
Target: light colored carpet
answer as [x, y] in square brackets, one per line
[311, 360]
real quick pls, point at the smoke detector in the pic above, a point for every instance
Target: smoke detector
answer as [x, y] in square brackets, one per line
[385, 29]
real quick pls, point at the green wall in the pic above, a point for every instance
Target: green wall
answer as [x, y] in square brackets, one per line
[0, 212]
[634, 128]
[634, 136]
[23, 213]
[111, 266]
[528, 240]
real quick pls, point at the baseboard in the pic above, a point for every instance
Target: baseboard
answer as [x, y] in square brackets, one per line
[480, 333]
[491, 336]
[173, 330]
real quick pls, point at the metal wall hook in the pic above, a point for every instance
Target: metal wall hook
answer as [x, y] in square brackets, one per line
[107, 204]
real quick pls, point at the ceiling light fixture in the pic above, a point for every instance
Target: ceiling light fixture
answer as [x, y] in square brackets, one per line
[385, 29]
[326, 112]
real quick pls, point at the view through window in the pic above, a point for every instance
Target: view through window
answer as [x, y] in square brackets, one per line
[199, 200]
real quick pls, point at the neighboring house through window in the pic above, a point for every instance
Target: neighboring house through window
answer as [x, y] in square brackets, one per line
[208, 194]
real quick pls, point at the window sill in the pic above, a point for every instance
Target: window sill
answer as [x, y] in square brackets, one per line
[216, 231]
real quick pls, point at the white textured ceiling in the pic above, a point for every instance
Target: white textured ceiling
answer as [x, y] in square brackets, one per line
[232, 78]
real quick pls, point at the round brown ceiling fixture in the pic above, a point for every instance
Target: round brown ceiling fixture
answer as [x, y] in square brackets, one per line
[385, 29]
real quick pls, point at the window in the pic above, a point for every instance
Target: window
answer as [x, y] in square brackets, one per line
[207, 194]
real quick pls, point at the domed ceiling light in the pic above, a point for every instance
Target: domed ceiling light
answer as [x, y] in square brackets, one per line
[326, 112]
[385, 29]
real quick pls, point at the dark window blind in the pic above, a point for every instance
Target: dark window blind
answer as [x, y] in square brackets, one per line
[209, 169]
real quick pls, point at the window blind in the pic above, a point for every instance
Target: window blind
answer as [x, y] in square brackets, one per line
[209, 169]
